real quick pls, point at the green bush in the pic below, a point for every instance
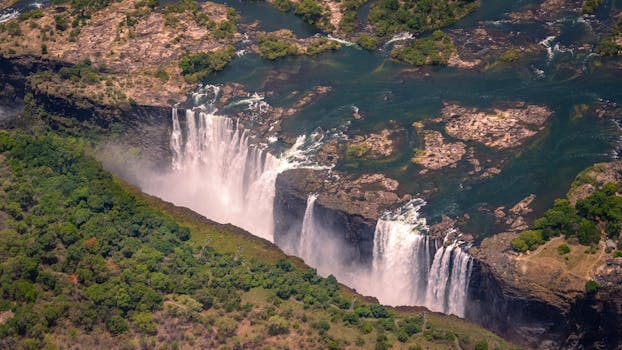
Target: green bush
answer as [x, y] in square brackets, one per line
[482, 345]
[591, 286]
[277, 325]
[196, 67]
[590, 6]
[608, 47]
[36, 13]
[283, 5]
[272, 47]
[527, 240]
[563, 249]
[393, 16]
[116, 325]
[510, 55]
[368, 42]
[309, 10]
[322, 45]
[162, 75]
[357, 151]
[432, 50]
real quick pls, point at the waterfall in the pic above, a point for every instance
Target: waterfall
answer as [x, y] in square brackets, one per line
[407, 267]
[412, 270]
[307, 234]
[219, 172]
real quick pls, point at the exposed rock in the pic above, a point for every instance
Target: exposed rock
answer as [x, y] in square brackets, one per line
[367, 195]
[373, 146]
[129, 55]
[598, 174]
[437, 154]
[484, 44]
[547, 10]
[500, 127]
[347, 205]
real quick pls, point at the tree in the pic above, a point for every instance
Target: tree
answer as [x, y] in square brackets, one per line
[277, 325]
[116, 325]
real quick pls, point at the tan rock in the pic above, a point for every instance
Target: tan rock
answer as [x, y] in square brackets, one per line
[437, 154]
[500, 127]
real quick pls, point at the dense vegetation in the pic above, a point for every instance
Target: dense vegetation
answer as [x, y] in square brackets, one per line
[196, 67]
[433, 50]
[273, 47]
[393, 16]
[83, 260]
[590, 6]
[585, 222]
[349, 10]
[610, 46]
[368, 42]
[322, 45]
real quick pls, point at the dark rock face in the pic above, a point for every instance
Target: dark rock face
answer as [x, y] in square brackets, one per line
[355, 232]
[593, 321]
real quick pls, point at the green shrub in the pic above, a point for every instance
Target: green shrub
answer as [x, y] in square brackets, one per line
[322, 45]
[432, 50]
[591, 286]
[36, 13]
[563, 249]
[44, 49]
[196, 67]
[143, 321]
[527, 240]
[368, 42]
[617, 254]
[608, 47]
[510, 55]
[277, 325]
[357, 151]
[162, 75]
[283, 5]
[393, 16]
[309, 10]
[482, 345]
[590, 6]
[272, 47]
[116, 325]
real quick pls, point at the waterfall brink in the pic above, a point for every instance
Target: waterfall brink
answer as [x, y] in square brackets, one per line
[413, 271]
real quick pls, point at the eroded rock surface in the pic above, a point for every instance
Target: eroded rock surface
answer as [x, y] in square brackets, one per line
[437, 153]
[500, 127]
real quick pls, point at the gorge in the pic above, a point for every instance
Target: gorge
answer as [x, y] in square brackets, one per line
[217, 171]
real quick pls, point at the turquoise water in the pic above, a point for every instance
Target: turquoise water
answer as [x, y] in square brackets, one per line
[384, 90]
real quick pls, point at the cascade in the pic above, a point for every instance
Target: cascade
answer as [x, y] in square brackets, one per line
[419, 270]
[408, 267]
[219, 172]
[307, 234]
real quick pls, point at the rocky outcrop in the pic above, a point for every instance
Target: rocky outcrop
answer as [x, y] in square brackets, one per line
[348, 206]
[501, 127]
[437, 153]
[586, 321]
[136, 47]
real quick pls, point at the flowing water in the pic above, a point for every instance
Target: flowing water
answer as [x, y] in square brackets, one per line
[220, 171]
